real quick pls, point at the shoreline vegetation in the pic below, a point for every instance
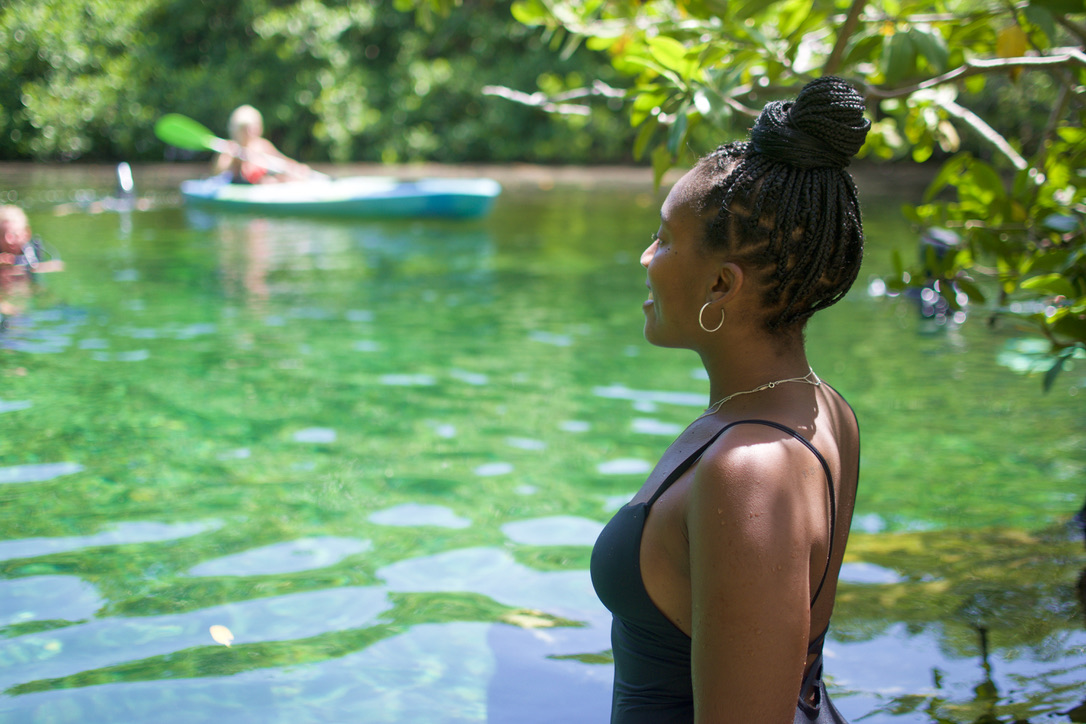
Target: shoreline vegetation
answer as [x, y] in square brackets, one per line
[905, 181]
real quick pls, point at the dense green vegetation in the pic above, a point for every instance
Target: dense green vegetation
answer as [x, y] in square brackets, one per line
[336, 80]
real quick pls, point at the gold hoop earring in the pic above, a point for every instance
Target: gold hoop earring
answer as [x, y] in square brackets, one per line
[702, 324]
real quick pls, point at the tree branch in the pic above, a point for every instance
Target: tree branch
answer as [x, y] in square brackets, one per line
[740, 108]
[556, 104]
[1067, 56]
[979, 125]
[846, 31]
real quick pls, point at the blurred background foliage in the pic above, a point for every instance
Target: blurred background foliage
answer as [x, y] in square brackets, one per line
[336, 81]
[991, 93]
[994, 91]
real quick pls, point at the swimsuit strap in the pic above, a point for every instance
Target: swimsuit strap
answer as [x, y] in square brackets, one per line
[694, 456]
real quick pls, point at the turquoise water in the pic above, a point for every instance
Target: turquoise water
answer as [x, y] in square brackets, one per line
[378, 454]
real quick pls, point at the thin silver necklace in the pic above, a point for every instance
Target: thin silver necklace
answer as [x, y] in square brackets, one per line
[810, 379]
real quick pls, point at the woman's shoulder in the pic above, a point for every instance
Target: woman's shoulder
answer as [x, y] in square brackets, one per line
[750, 494]
[753, 454]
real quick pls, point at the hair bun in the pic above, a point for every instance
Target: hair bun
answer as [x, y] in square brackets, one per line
[823, 128]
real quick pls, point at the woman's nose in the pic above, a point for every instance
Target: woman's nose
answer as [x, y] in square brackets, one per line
[646, 255]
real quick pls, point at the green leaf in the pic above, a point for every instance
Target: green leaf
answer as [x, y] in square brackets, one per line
[898, 57]
[948, 175]
[669, 53]
[1072, 134]
[661, 162]
[922, 152]
[931, 46]
[1053, 372]
[975, 84]
[861, 48]
[946, 291]
[1060, 7]
[648, 129]
[645, 101]
[1072, 326]
[986, 179]
[529, 12]
[971, 290]
[748, 8]
[1042, 17]
[651, 64]
[677, 133]
[1050, 285]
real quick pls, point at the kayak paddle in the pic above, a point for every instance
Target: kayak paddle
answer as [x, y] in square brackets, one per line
[183, 132]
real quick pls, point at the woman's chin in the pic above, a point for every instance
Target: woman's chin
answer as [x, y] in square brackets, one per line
[653, 336]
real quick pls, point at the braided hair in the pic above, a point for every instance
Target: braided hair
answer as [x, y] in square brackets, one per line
[783, 204]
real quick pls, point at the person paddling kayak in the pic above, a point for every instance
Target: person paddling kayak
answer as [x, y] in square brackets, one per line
[253, 159]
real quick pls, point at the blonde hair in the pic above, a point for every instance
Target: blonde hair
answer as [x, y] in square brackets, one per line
[244, 117]
[13, 217]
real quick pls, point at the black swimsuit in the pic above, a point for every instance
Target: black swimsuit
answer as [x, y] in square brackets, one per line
[653, 683]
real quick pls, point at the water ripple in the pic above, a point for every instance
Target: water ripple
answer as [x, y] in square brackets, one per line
[624, 466]
[414, 514]
[119, 534]
[525, 443]
[37, 472]
[469, 378]
[46, 598]
[491, 469]
[113, 641]
[649, 426]
[315, 434]
[434, 673]
[494, 573]
[556, 530]
[869, 573]
[408, 380]
[303, 554]
[558, 340]
[621, 392]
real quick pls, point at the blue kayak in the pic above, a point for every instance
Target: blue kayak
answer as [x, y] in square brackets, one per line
[357, 196]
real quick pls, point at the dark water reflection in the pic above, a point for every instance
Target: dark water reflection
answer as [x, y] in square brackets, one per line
[378, 453]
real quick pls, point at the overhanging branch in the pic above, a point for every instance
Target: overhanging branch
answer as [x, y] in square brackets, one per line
[1066, 56]
[979, 125]
[558, 103]
[846, 31]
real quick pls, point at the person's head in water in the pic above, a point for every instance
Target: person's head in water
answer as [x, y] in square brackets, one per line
[782, 206]
[14, 229]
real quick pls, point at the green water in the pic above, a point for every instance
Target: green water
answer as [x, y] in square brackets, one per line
[379, 453]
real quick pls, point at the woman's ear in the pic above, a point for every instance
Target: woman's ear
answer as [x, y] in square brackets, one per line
[728, 282]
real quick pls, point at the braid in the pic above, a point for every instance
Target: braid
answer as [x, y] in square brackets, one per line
[784, 205]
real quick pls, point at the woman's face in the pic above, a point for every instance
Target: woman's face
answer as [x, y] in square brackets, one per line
[680, 272]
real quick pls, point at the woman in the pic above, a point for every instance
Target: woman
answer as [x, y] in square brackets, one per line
[253, 159]
[721, 572]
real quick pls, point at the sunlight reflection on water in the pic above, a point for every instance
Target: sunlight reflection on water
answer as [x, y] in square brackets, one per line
[414, 514]
[114, 534]
[302, 554]
[110, 641]
[39, 598]
[37, 472]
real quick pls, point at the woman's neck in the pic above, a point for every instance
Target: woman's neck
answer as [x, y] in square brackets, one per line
[746, 367]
